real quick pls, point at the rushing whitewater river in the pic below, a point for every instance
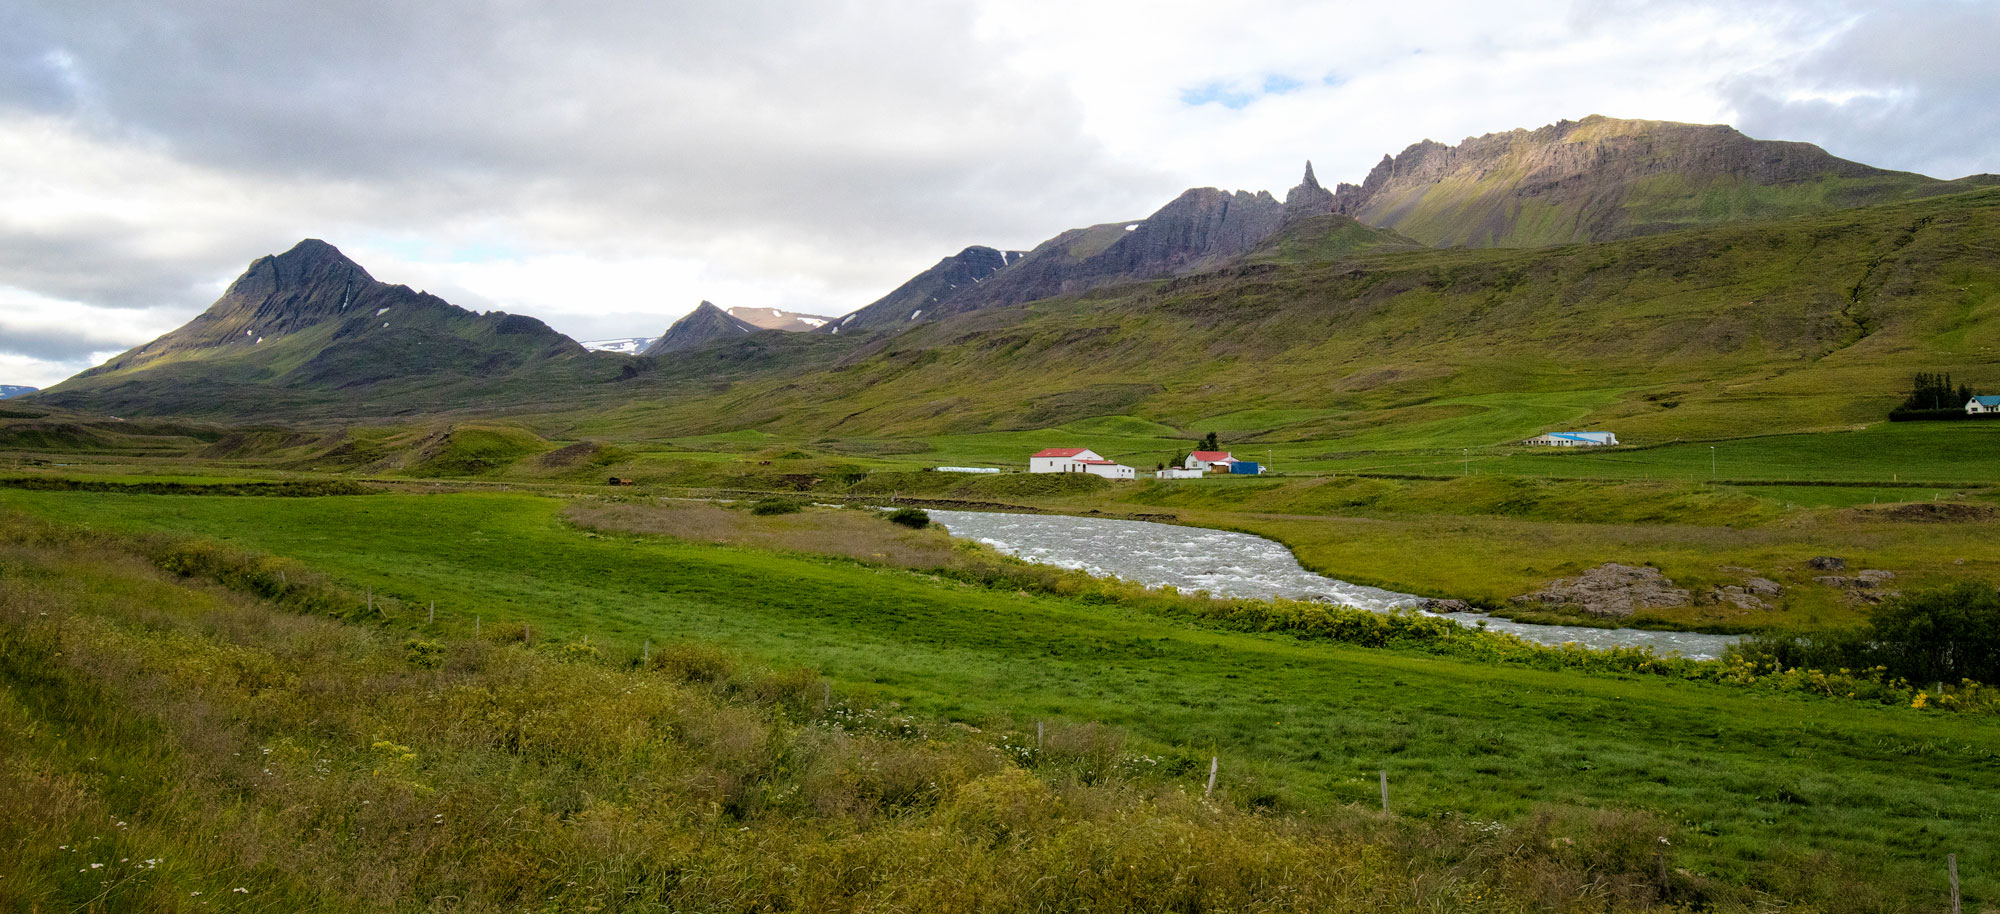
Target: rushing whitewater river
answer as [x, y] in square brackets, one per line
[1240, 565]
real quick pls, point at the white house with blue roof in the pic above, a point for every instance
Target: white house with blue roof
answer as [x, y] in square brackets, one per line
[1574, 439]
[1979, 405]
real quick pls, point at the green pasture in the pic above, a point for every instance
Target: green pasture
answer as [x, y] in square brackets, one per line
[1753, 783]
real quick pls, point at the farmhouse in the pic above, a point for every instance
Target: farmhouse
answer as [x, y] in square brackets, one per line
[1981, 405]
[1574, 439]
[1078, 460]
[1209, 461]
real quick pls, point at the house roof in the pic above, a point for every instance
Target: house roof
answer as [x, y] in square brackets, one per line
[1212, 456]
[1102, 463]
[1060, 451]
[1988, 401]
[1580, 436]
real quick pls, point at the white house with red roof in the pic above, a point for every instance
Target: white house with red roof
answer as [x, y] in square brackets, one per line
[1209, 461]
[1078, 460]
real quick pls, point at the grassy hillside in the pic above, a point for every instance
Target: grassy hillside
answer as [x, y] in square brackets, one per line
[1807, 324]
[1764, 792]
[1604, 178]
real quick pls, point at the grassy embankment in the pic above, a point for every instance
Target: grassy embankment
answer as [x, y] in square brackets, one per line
[1757, 785]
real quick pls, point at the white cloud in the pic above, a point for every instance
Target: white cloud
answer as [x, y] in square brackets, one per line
[608, 164]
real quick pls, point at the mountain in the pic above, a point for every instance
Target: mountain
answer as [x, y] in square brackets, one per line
[1807, 323]
[705, 324]
[310, 326]
[1603, 178]
[1201, 229]
[10, 391]
[775, 319]
[942, 282]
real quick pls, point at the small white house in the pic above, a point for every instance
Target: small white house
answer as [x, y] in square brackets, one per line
[1179, 473]
[1979, 405]
[1078, 460]
[1208, 461]
[1574, 439]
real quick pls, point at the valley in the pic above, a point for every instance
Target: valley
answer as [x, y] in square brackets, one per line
[653, 592]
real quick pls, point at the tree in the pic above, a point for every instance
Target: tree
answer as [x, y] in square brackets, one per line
[1941, 635]
[1208, 443]
[1934, 391]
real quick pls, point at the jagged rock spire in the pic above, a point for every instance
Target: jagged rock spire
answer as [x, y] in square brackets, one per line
[1309, 198]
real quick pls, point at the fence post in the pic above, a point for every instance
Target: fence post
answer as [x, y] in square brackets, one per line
[1214, 766]
[1038, 734]
[646, 651]
[1951, 866]
[432, 617]
[475, 626]
[1385, 790]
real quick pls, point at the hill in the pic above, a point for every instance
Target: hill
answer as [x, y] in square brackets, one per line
[705, 324]
[310, 332]
[1798, 324]
[1603, 178]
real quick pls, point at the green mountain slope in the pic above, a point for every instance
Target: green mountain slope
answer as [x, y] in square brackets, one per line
[310, 333]
[1603, 178]
[1798, 324]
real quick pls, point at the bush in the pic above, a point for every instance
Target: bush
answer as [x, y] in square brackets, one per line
[913, 518]
[771, 506]
[1943, 635]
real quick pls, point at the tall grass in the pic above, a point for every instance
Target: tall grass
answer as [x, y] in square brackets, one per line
[174, 745]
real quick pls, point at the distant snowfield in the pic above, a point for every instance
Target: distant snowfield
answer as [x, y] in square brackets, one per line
[632, 346]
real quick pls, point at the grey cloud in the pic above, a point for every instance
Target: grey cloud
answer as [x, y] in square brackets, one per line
[1923, 76]
[66, 346]
[827, 120]
[102, 265]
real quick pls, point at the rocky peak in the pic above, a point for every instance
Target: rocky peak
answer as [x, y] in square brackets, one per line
[705, 324]
[1308, 198]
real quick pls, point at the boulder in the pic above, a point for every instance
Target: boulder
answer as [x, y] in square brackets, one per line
[1826, 563]
[1611, 590]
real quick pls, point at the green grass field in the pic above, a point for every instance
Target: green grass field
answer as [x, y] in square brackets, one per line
[1756, 786]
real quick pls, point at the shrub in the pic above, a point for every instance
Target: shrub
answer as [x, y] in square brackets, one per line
[1942, 635]
[693, 662]
[426, 654]
[771, 506]
[913, 518]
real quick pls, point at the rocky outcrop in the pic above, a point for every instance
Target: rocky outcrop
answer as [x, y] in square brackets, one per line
[705, 324]
[1307, 199]
[1751, 594]
[1826, 563]
[1610, 590]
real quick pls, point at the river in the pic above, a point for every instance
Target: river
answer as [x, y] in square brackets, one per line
[1241, 565]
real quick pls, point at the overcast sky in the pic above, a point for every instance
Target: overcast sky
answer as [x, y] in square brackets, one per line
[607, 164]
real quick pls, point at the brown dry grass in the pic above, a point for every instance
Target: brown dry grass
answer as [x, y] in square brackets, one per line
[852, 533]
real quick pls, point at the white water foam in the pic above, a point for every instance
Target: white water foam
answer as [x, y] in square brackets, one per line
[1241, 565]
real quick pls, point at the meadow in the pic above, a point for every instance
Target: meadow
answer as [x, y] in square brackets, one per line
[1786, 794]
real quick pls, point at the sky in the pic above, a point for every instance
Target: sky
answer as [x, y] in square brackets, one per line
[606, 165]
